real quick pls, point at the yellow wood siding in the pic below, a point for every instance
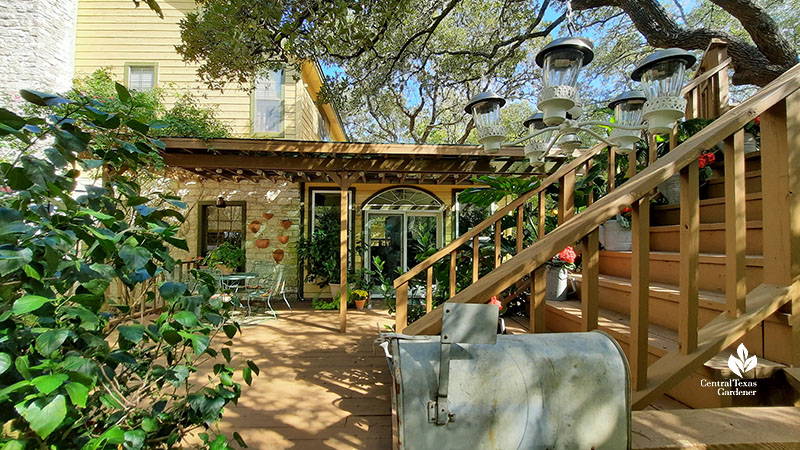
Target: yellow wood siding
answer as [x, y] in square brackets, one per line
[111, 33]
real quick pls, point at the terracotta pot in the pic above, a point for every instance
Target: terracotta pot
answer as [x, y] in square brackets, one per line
[360, 304]
[224, 269]
[262, 243]
[255, 226]
[267, 216]
[286, 223]
[283, 239]
[277, 255]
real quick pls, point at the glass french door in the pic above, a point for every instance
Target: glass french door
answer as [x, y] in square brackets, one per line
[401, 239]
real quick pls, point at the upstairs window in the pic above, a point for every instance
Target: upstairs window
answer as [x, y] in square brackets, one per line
[141, 78]
[268, 103]
[322, 128]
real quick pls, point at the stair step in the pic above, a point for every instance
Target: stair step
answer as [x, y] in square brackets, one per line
[665, 268]
[715, 187]
[614, 295]
[666, 238]
[712, 210]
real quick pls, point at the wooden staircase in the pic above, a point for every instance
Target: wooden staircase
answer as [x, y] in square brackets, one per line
[720, 268]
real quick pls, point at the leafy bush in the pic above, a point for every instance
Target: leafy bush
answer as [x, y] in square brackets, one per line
[77, 371]
[226, 255]
[320, 251]
[186, 118]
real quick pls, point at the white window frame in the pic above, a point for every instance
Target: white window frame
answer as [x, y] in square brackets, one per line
[276, 98]
[130, 77]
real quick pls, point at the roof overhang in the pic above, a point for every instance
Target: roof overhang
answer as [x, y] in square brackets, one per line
[309, 161]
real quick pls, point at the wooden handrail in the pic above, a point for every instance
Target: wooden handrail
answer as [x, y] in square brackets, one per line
[488, 222]
[531, 258]
[705, 76]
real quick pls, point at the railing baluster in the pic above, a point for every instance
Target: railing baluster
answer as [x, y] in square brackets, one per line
[690, 249]
[520, 228]
[401, 308]
[429, 290]
[566, 197]
[590, 198]
[640, 291]
[536, 300]
[476, 258]
[735, 226]
[612, 169]
[590, 288]
[453, 256]
[498, 242]
[542, 206]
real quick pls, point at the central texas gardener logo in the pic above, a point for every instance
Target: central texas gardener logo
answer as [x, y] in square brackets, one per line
[742, 364]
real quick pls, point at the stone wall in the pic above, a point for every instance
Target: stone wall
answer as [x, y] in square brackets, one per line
[282, 199]
[38, 45]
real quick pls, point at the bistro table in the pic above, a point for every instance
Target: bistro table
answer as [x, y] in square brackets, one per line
[235, 280]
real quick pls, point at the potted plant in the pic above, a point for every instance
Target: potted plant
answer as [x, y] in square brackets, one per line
[615, 234]
[671, 188]
[360, 297]
[227, 258]
[320, 254]
[362, 281]
[752, 135]
[558, 274]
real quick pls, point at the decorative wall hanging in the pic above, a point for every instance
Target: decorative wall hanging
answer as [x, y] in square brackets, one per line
[267, 216]
[262, 243]
[255, 226]
[286, 223]
[283, 239]
[277, 255]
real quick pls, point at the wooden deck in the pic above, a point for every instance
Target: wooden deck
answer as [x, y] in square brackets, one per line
[318, 388]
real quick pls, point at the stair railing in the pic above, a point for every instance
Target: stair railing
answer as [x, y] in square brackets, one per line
[565, 177]
[778, 105]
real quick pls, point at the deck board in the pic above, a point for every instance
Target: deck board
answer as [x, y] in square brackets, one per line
[318, 388]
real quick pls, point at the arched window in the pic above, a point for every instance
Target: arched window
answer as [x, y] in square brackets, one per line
[403, 199]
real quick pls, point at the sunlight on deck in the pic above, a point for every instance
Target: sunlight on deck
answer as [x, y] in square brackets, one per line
[318, 389]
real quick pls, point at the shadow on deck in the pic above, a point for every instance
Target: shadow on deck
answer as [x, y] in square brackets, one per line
[318, 389]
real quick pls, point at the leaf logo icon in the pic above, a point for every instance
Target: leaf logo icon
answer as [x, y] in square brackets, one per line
[743, 363]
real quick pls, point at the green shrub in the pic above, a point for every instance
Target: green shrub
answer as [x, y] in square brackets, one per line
[77, 370]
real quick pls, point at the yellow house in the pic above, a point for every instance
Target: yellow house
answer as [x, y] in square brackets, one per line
[139, 48]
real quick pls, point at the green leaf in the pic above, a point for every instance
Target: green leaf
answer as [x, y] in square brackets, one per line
[186, 319]
[171, 290]
[78, 394]
[14, 445]
[132, 333]
[238, 438]
[49, 383]
[42, 98]
[226, 353]
[149, 424]
[253, 366]
[137, 126]
[32, 272]
[50, 341]
[199, 342]
[14, 387]
[44, 417]
[180, 243]
[96, 214]
[230, 330]
[12, 120]
[134, 257]
[5, 362]
[123, 93]
[134, 440]
[114, 435]
[247, 375]
[28, 303]
[13, 259]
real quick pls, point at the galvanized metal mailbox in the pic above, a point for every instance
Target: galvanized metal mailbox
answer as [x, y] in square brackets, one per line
[471, 388]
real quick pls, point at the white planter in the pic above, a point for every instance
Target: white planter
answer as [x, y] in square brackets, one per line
[615, 237]
[557, 286]
[671, 189]
[750, 144]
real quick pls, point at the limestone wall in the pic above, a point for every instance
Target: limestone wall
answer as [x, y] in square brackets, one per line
[38, 45]
[281, 199]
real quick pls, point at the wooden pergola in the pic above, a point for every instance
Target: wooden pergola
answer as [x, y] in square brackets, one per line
[341, 163]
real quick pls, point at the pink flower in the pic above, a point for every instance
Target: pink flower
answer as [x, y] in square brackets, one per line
[567, 255]
[496, 302]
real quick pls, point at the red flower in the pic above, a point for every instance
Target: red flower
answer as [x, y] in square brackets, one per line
[494, 301]
[626, 209]
[702, 161]
[710, 158]
[757, 120]
[567, 255]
